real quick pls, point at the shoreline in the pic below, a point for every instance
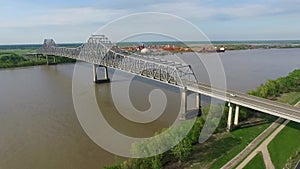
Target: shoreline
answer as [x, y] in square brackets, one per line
[19, 58]
[32, 66]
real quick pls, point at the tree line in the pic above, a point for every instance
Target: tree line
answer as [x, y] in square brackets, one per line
[274, 88]
[11, 59]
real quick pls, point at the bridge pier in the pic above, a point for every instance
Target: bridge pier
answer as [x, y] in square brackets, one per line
[38, 56]
[198, 103]
[195, 111]
[95, 76]
[183, 104]
[236, 116]
[229, 120]
[51, 63]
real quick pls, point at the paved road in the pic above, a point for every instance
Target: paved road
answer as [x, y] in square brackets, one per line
[266, 156]
[264, 149]
[243, 154]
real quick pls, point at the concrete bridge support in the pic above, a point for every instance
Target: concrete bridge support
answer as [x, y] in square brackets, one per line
[51, 63]
[198, 100]
[229, 120]
[38, 56]
[198, 103]
[236, 116]
[47, 59]
[183, 104]
[196, 110]
[95, 76]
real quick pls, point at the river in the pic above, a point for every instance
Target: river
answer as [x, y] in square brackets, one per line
[39, 126]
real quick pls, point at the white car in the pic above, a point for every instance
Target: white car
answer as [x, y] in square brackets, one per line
[232, 95]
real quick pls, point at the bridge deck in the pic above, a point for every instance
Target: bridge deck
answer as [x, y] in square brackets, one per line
[260, 104]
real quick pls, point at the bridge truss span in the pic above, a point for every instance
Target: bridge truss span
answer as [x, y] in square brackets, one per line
[99, 50]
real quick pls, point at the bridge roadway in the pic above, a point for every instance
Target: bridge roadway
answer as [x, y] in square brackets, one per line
[256, 103]
[101, 52]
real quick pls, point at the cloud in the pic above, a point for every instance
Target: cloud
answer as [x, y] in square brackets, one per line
[206, 12]
[66, 16]
[226, 11]
[63, 20]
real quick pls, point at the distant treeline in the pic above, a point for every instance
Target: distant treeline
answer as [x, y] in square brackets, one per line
[8, 60]
[34, 46]
[274, 88]
[19, 47]
[11, 59]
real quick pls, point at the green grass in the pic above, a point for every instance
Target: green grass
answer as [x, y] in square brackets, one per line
[247, 135]
[285, 144]
[257, 162]
[223, 148]
[291, 98]
[204, 154]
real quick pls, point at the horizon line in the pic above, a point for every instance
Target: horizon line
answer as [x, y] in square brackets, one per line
[149, 41]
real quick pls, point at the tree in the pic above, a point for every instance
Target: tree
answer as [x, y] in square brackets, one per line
[194, 134]
[156, 161]
[182, 150]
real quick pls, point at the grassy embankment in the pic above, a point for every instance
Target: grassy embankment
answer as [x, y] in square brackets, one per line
[286, 144]
[18, 58]
[285, 148]
[257, 162]
[285, 89]
[216, 153]
[290, 98]
[280, 154]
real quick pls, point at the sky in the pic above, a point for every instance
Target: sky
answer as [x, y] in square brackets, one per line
[31, 21]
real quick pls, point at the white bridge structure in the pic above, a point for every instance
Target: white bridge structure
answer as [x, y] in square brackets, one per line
[101, 52]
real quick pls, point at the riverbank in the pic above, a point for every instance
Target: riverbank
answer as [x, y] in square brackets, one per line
[160, 48]
[19, 58]
[288, 156]
[257, 46]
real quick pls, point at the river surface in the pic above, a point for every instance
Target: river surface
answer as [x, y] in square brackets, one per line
[39, 127]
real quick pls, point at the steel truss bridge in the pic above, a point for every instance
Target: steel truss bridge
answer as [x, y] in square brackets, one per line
[101, 52]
